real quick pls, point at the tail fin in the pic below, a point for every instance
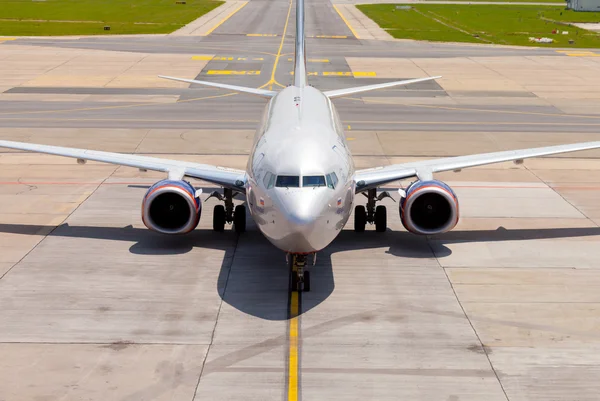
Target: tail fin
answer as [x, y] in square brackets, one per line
[299, 54]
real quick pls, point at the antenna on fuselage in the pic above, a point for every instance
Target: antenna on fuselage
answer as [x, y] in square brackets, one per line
[299, 52]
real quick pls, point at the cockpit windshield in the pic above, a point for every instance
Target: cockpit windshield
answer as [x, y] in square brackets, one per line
[313, 181]
[287, 181]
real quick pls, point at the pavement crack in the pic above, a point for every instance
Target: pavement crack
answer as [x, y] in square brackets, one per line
[466, 316]
[230, 260]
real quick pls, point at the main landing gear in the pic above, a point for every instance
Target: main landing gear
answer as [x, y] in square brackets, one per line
[299, 274]
[227, 213]
[371, 213]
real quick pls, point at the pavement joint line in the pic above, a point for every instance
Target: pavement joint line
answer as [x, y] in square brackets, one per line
[217, 319]
[91, 193]
[374, 122]
[113, 107]
[225, 47]
[529, 113]
[340, 73]
[232, 72]
[225, 19]
[335, 7]
[278, 55]
[313, 60]
[226, 58]
[466, 316]
[329, 37]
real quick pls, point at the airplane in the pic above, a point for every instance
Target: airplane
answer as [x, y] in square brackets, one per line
[300, 182]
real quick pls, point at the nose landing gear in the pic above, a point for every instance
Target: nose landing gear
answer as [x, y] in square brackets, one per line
[299, 274]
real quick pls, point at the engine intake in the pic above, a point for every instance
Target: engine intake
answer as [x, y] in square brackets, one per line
[171, 207]
[430, 207]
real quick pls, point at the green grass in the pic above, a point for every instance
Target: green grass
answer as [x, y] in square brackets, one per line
[35, 18]
[515, 1]
[498, 24]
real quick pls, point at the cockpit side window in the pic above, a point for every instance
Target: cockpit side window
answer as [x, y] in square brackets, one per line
[269, 180]
[313, 181]
[332, 180]
[287, 181]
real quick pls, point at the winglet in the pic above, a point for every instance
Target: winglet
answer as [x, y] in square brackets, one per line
[359, 89]
[258, 92]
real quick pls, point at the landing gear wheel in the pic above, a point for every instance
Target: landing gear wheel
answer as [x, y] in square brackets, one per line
[294, 282]
[239, 219]
[360, 219]
[380, 219]
[306, 282]
[219, 218]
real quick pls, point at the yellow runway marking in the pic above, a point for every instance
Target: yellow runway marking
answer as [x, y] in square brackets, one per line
[293, 354]
[575, 53]
[345, 21]
[364, 74]
[330, 36]
[5, 39]
[273, 81]
[232, 72]
[262, 34]
[202, 58]
[225, 19]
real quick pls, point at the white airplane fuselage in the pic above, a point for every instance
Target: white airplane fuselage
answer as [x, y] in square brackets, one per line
[300, 135]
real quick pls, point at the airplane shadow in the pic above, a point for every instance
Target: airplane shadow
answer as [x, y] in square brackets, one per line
[253, 277]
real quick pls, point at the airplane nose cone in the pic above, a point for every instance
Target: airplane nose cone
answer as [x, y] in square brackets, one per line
[302, 224]
[302, 208]
[302, 216]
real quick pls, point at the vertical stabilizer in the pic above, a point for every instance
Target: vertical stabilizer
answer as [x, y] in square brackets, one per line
[300, 55]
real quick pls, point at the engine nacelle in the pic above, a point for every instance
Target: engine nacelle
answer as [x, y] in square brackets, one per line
[429, 207]
[171, 207]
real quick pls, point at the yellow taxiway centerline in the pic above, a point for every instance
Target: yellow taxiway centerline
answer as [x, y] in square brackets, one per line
[345, 21]
[225, 19]
[273, 80]
[293, 354]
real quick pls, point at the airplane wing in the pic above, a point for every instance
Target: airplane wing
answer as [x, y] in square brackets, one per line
[226, 177]
[258, 92]
[372, 178]
[360, 89]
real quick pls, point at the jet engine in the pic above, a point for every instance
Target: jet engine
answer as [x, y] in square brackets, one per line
[429, 207]
[171, 207]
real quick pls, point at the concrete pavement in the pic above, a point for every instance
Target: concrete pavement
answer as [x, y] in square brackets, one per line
[94, 306]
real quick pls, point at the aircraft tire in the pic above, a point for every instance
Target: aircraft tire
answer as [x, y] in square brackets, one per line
[219, 218]
[294, 282]
[380, 219]
[360, 218]
[239, 219]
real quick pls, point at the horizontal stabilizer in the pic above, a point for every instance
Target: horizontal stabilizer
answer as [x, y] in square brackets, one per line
[258, 92]
[359, 89]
